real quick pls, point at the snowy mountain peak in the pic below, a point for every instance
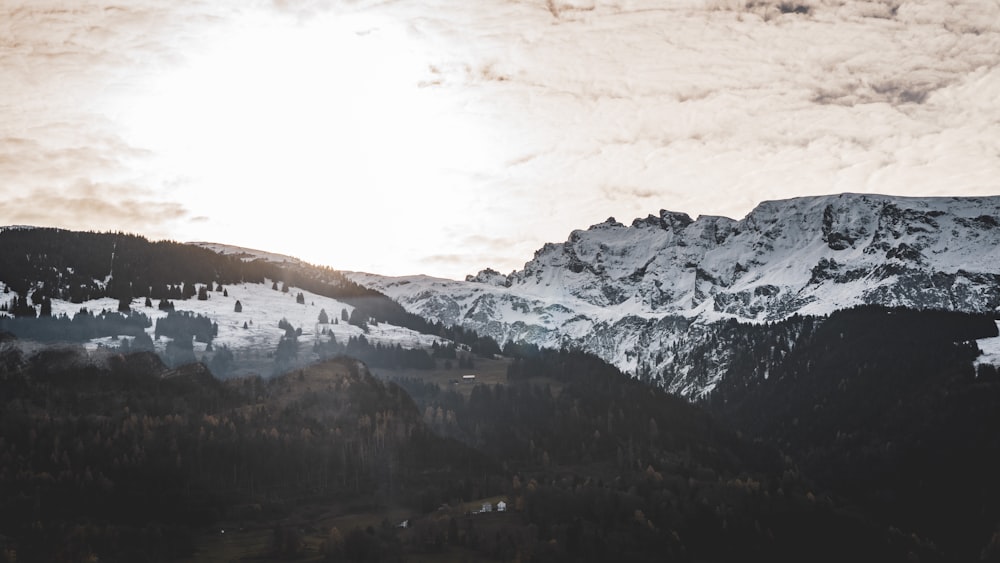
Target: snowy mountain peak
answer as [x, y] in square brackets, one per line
[489, 276]
[667, 220]
[770, 264]
[626, 292]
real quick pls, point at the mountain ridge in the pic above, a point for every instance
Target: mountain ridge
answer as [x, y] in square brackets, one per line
[629, 294]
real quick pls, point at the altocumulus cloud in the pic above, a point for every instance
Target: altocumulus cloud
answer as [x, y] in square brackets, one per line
[583, 108]
[62, 161]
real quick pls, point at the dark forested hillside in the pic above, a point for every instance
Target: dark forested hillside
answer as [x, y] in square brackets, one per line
[128, 460]
[133, 462]
[885, 408]
[605, 467]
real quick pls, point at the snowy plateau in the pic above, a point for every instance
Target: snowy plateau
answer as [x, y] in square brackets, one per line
[638, 296]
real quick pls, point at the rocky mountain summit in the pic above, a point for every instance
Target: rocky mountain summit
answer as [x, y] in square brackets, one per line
[638, 295]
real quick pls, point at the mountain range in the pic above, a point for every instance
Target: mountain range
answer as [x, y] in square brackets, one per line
[638, 296]
[840, 404]
[652, 298]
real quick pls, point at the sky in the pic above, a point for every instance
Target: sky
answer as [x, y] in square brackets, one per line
[445, 136]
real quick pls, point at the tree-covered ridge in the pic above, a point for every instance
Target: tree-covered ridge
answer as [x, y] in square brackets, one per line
[79, 266]
[884, 407]
[130, 462]
[84, 325]
[605, 467]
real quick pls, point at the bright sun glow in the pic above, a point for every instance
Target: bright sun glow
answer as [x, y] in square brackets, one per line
[333, 106]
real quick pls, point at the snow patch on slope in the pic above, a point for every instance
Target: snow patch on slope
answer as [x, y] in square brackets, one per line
[991, 350]
[262, 309]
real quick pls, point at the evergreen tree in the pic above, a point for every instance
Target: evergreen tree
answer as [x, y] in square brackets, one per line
[283, 324]
[221, 361]
[300, 299]
[21, 308]
[358, 319]
[203, 293]
[142, 342]
[323, 317]
[238, 308]
[288, 349]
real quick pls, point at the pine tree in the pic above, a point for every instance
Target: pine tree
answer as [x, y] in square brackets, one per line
[238, 308]
[323, 317]
[359, 320]
[21, 308]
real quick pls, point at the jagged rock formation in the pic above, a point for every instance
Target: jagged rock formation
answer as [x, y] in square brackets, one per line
[639, 295]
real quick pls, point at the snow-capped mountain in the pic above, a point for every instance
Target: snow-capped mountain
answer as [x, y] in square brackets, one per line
[637, 294]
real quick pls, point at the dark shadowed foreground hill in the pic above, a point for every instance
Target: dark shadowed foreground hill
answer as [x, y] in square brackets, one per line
[130, 461]
[884, 407]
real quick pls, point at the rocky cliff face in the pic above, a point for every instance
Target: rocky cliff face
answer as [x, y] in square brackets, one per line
[632, 294]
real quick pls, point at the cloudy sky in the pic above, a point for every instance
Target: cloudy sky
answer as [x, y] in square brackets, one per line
[444, 136]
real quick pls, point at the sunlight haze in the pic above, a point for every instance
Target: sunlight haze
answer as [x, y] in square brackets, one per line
[443, 137]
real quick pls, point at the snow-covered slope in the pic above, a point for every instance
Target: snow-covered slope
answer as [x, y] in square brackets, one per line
[630, 293]
[991, 350]
[248, 254]
[253, 332]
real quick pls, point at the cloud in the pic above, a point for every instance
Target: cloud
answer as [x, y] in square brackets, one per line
[118, 207]
[64, 159]
[628, 193]
[524, 120]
